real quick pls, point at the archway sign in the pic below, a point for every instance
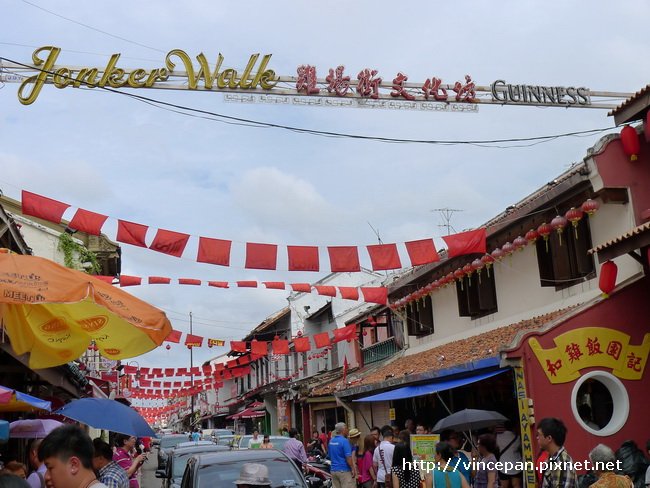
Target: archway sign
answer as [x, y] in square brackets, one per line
[258, 83]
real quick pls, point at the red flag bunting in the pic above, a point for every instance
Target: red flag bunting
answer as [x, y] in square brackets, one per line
[131, 233]
[238, 346]
[174, 336]
[384, 256]
[87, 221]
[216, 342]
[105, 279]
[214, 251]
[375, 294]
[169, 242]
[280, 346]
[470, 242]
[301, 344]
[349, 292]
[130, 280]
[43, 207]
[188, 281]
[159, 280]
[347, 333]
[328, 291]
[303, 258]
[422, 252]
[218, 284]
[261, 256]
[169, 371]
[344, 258]
[301, 287]
[274, 285]
[130, 369]
[322, 340]
[247, 284]
[259, 348]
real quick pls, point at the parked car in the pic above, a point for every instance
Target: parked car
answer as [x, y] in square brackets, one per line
[241, 442]
[166, 443]
[225, 440]
[177, 459]
[221, 469]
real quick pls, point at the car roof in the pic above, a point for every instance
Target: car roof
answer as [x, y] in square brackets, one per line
[246, 455]
[172, 436]
[194, 443]
[200, 448]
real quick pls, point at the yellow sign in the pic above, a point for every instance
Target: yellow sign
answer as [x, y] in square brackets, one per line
[525, 422]
[589, 347]
[423, 446]
[391, 414]
[111, 76]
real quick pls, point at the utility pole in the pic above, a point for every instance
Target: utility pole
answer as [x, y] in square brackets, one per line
[191, 378]
[446, 214]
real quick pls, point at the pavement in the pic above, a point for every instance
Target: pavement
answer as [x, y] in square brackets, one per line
[147, 473]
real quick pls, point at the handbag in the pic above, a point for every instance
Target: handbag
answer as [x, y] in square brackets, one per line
[388, 478]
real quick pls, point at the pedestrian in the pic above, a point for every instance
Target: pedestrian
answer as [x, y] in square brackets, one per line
[16, 468]
[551, 434]
[486, 475]
[37, 477]
[109, 472]
[295, 449]
[354, 436]
[195, 436]
[367, 475]
[343, 467]
[446, 476]
[603, 461]
[459, 460]
[410, 426]
[123, 456]
[509, 445]
[315, 446]
[255, 442]
[67, 452]
[376, 433]
[420, 429]
[266, 442]
[284, 432]
[323, 438]
[382, 460]
[404, 474]
[253, 474]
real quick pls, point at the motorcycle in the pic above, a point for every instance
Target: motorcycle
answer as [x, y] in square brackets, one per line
[317, 472]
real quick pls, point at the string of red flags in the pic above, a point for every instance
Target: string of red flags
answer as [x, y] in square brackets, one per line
[257, 255]
[369, 294]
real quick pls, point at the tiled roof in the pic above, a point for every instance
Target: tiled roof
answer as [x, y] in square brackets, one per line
[631, 100]
[463, 351]
[630, 233]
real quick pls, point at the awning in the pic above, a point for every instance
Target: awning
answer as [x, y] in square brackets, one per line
[249, 413]
[428, 388]
[15, 401]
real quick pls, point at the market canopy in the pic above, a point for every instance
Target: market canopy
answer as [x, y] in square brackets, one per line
[53, 313]
[16, 401]
[249, 413]
[428, 388]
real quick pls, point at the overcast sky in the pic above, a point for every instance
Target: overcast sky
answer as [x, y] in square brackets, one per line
[113, 155]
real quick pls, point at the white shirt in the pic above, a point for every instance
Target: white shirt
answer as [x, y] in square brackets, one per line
[387, 449]
[512, 454]
[34, 480]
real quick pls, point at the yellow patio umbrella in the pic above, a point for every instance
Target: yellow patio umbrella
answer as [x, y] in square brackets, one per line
[54, 312]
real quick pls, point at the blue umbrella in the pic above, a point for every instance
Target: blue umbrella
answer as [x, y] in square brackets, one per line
[103, 413]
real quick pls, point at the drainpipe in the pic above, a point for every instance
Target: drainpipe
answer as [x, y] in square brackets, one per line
[348, 408]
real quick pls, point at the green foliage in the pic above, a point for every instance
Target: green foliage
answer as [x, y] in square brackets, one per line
[75, 254]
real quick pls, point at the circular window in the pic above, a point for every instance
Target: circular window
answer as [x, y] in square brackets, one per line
[600, 403]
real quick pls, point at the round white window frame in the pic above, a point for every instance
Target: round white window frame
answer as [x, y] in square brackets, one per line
[620, 401]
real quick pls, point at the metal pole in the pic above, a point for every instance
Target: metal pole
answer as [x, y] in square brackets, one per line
[191, 378]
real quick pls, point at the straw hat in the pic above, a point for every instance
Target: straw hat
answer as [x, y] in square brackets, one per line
[354, 433]
[254, 474]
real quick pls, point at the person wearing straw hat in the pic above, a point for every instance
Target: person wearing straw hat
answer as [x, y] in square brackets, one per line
[253, 474]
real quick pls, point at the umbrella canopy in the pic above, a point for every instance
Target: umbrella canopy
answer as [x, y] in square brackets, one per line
[469, 419]
[103, 413]
[16, 401]
[32, 428]
[54, 312]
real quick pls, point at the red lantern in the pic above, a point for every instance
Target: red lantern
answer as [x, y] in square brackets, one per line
[559, 223]
[459, 275]
[468, 270]
[630, 141]
[545, 230]
[607, 281]
[531, 236]
[507, 248]
[574, 215]
[488, 260]
[590, 207]
[497, 254]
[520, 243]
[477, 265]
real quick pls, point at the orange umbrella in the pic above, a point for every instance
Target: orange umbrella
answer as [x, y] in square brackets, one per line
[54, 312]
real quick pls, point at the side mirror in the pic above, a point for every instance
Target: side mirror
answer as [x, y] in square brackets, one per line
[161, 473]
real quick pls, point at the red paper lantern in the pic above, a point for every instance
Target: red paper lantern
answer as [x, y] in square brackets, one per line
[559, 223]
[497, 254]
[468, 269]
[531, 236]
[630, 141]
[477, 265]
[507, 248]
[488, 260]
[520, 243]
[459, 275]
[607, 282]
[574, 215]
[545, 230]
[590, 207]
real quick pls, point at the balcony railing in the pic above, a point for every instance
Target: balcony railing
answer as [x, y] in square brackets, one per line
[379, 351]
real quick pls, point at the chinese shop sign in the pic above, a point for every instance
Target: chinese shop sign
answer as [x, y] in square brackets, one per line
[592, 347]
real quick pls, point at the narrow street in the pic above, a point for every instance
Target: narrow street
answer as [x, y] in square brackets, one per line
[148, 473]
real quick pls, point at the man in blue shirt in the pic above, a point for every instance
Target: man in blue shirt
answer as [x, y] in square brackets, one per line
[344, 469]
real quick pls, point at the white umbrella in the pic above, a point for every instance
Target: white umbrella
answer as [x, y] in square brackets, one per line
[32, 428]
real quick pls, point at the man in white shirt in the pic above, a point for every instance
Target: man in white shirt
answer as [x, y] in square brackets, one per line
[510, 448]
[255, 442]
[382, 459]
[37, 478]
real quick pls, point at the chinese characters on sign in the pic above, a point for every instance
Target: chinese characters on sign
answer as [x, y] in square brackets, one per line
[592, 346]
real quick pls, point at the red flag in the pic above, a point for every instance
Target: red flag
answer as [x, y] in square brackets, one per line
[159, 280]
[470, 242]
[261, 256]
[259, 348]
[214, 251]
[303, 258]
[349, 292]
[347, 333]
[328, 291]
[87, 221]
[301, 287]
[375, 294]
[384, 256]
[188, 281]
[280, 346]
[301, 344]
[274, 285]
[169, 242]
[174, 336]
[130, 280]
[105, 279]
[247, 284]
[43, 207]
[131, 233]
[322, 340]
[218, 284]
[422, 252]
[238, 346]
[344, 258]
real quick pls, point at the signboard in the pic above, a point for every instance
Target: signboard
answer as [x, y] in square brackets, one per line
[423, 446]
[589, 347]
[361, 87]
[391, 414]
[525, 423]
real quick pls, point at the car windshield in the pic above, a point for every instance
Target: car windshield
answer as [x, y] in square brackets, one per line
[225, 440]
[167, 442]
[282, 473]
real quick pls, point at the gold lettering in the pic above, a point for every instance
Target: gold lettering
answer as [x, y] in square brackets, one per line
[115, 79]
[226, 78]
[62, 78]
[135, 77]
[112, 76]
[265, 77]
[158, 74]
[27, 98]
[86, 77]
[187, 62]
